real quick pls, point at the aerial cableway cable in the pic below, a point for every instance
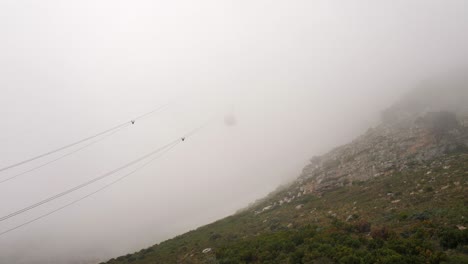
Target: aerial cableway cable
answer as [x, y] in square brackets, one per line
[61, 157]
[163, 150]
[83, 140]
[90, 194]
[54, 197]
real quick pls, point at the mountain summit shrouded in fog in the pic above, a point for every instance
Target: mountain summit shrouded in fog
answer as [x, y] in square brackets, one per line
[449, 95]
[424, 125]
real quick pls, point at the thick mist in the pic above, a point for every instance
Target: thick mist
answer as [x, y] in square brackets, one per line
[281, 80]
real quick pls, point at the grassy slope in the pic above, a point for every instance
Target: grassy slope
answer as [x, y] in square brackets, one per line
[413, 217]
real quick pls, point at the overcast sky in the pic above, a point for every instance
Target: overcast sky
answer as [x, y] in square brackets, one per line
[300, 77]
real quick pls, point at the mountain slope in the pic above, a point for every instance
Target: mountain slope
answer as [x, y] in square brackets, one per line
[418, 208]
[397, 194]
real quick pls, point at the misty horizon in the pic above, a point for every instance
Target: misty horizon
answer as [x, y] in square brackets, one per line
[280, 83]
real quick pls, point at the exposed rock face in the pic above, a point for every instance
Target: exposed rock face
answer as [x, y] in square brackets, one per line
[423, 126]
[450, 96]
[410, 133]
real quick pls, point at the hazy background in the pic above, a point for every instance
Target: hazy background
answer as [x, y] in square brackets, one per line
[300, 76]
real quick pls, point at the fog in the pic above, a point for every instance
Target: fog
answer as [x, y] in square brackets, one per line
[281, 81]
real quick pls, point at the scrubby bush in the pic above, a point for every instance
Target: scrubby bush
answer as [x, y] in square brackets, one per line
[362, 226]
[381, 233]
[452, 238]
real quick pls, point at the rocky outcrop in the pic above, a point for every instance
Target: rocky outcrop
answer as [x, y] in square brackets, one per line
[424, 126]
[409, 134]
[450, 96]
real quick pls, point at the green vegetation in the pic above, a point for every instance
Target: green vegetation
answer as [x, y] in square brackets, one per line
[338, 243]
[415, 216]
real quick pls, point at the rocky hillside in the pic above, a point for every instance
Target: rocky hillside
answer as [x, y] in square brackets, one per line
[397, 194]
[423, 126]
[410, 138]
